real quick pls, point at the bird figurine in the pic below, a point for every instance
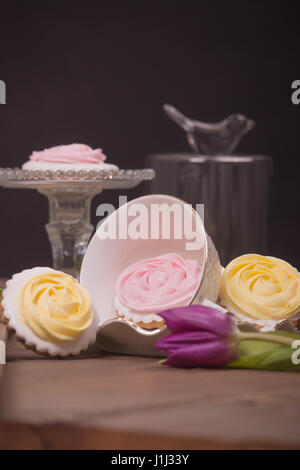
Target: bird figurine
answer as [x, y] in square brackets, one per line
[220, 138]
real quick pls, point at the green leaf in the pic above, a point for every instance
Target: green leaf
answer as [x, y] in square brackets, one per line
[162, 361]
[255, 354]
[0, 293]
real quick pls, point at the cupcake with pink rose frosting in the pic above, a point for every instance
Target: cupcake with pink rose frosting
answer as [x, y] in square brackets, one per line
[74, 157]
[150, 286]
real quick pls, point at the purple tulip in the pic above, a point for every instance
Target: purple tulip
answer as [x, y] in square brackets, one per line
[200, 337]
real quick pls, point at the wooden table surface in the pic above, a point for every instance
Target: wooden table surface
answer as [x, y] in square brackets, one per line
[117, 402]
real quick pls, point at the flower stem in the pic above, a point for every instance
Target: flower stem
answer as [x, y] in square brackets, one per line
[267, 337]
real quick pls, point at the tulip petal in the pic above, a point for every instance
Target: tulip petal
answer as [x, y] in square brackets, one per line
[200, 337]
[198, 317]
[209, 354]
[177, 340]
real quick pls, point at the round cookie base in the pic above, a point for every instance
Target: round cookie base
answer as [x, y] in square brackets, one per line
[21, 340]
[147, 326]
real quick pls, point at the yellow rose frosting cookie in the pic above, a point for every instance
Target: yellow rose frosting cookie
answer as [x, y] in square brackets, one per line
[55, 307]
[49, 312]
[263, 289]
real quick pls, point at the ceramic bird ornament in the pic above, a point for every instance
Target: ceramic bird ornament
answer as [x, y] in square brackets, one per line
[220, 138]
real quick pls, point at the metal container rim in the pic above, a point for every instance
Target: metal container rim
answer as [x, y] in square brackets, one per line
[194, 158]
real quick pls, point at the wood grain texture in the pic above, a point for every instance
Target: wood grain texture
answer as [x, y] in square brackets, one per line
[14, 436]
[105, 401]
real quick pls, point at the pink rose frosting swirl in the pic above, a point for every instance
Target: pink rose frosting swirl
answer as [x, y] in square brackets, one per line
[153, 285]
[74, 153]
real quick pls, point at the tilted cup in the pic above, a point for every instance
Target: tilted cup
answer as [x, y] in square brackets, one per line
[134, 232]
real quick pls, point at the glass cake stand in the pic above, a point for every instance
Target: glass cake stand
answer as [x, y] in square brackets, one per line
[69, 195]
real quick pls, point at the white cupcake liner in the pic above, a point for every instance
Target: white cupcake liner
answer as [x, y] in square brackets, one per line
[43, 166]
[133, 316]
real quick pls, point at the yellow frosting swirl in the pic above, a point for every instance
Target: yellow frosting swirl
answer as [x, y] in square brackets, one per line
[261, 287]
[55, 306]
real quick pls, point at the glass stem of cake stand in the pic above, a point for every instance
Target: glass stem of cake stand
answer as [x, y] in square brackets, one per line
[69, 227]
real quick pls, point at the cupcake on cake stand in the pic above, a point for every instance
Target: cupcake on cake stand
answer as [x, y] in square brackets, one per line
[70, 176]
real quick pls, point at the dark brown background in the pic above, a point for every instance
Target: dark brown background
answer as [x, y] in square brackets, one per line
[99, 72]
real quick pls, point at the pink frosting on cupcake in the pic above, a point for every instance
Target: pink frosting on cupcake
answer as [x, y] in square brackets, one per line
[74, 153]
[153, 285]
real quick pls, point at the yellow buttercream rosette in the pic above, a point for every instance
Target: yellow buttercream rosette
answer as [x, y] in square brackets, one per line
[55, 306]
[261, 287]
